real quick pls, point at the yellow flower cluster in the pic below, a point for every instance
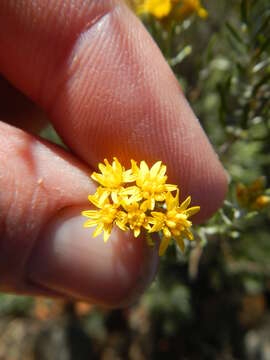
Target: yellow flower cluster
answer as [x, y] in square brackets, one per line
[136, 199]
[157, 8]
[253, 197]
[161, 9]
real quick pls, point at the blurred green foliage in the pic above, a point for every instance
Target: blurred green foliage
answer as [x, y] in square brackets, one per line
[204, 303]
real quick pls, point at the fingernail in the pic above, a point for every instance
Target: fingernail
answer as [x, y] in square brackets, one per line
[69, 260]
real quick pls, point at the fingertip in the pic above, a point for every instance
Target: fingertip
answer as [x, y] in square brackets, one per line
[114, 93]
[212, 198]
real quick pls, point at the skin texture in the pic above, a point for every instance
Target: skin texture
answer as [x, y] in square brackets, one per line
[91, 69]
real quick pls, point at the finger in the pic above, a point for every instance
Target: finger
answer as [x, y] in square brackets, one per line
[44, 248]
[107, 89]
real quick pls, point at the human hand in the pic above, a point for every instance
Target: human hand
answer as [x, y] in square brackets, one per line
[108, 91]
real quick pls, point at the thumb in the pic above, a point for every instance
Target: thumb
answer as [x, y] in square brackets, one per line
[44, 249]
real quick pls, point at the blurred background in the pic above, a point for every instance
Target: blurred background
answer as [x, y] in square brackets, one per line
[213, 302]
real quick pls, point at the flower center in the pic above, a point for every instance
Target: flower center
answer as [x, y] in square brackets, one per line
[108, 214]
[136, 218]
[151, 187]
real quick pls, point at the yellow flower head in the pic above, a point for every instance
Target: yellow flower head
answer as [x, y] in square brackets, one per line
[152, 182]
[136, 217]
[158, 8]
[261, 202]
[112, 176]
[174, 222]
[189, 7]
[130, 206]
[175, 9]
[103, 218]
[253, 197]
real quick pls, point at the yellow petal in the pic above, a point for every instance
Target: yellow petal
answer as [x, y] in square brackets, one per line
[180, 243]
[92, 214]
[144, 168]
[171, 187]
[98, 178]
[152, 203]
[121, 224]
[164, 245]
[156, 228]
[144, 205]
[104, 196]
[155, 169]
[89, 223]
[135, 197]
[100, 197]
[108, 165]
[128, 176]
[114, 197]
[121, 220]
[171, 224]
[117, 166]
[147, 226]
[107, 233]
[171, 202]
[160, 197]
[192, 211]
[134, 167]
[188, 234]
[98, 230]
[176, 199]
[131, 190]
[157, 224]
[102, 168]
[162, 171]
[166, 232]
[185, 204]
[176, 232]
[202, 13]
[94, 200]
[157, 8]
[158, 214]
[137, 232]
[184, 222]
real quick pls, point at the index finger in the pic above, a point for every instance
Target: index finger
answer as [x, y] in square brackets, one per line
[107, 89]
